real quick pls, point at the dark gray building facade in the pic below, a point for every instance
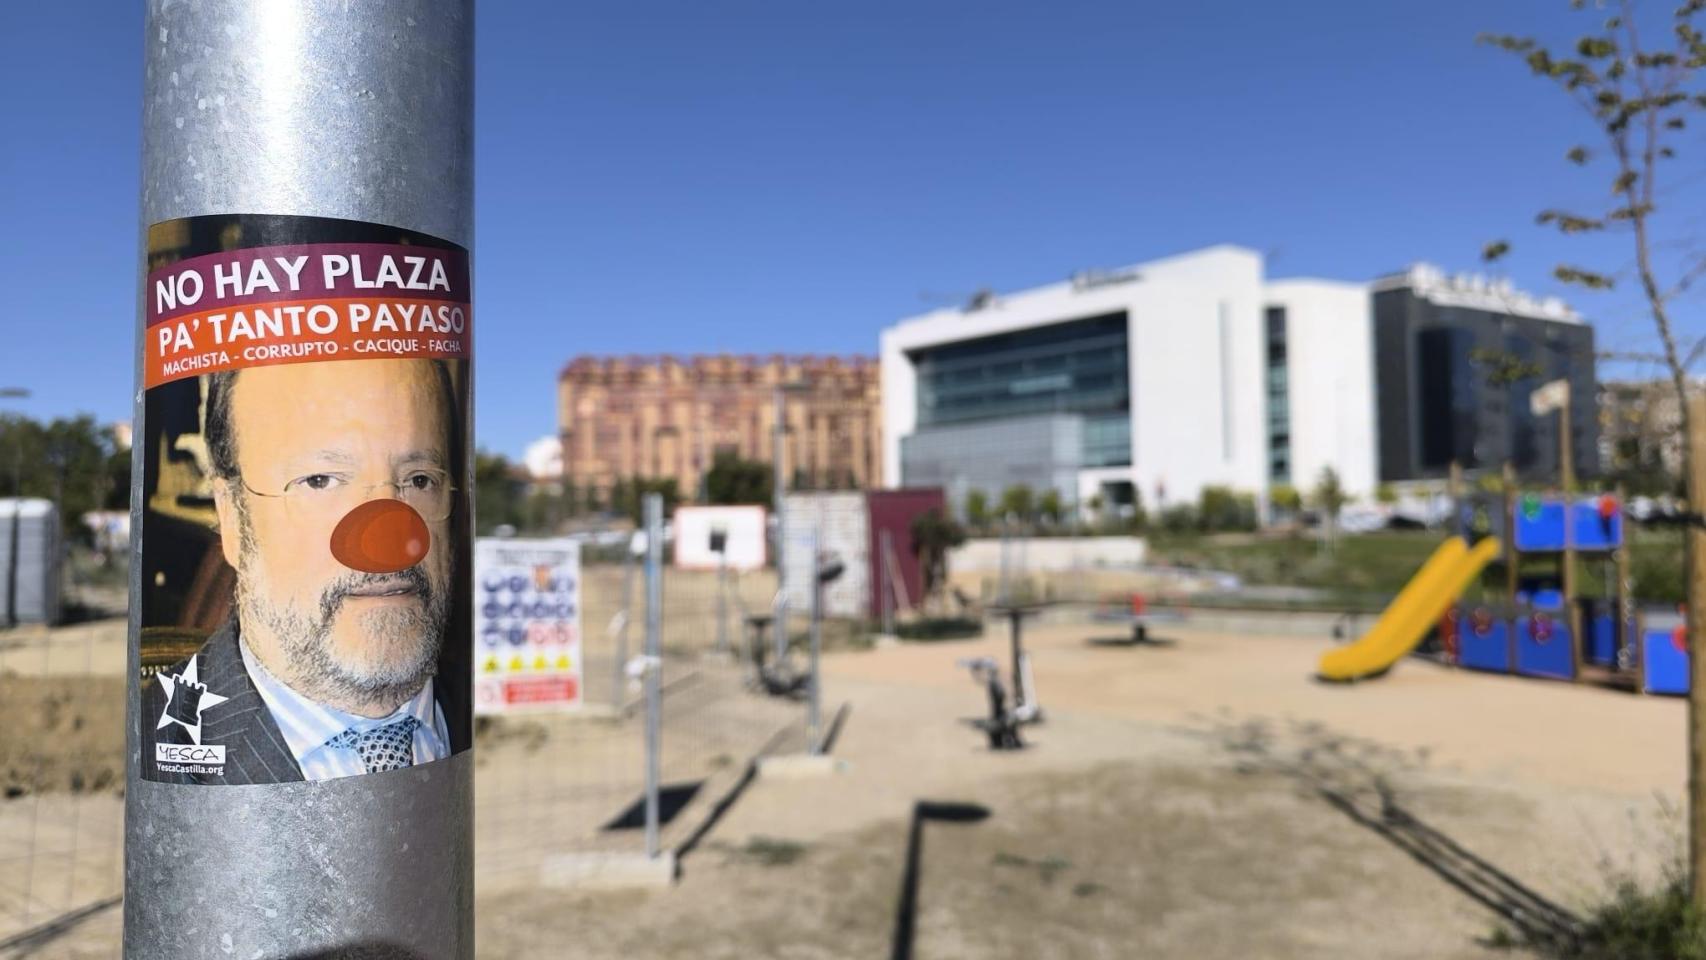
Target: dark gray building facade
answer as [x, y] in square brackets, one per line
[1455, 362]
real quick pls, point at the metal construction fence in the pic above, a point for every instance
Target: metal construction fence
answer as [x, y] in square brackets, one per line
[557, 794]
[556, 791]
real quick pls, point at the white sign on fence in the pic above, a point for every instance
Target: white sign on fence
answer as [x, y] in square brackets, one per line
[842, 524]
[527, 637]
[736, 531]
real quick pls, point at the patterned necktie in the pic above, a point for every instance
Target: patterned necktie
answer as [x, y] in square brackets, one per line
[390, 747]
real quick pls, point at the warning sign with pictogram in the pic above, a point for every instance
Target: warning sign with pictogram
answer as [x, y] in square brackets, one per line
[526, 625]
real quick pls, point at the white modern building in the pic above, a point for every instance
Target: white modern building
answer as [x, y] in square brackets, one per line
[1158, 379]
[1162, 378]
[1320, 377]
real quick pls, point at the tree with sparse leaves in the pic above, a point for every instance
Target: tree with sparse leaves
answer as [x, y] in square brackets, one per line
[1329, 497]
[69, 460]
[1019, 501]
[1638, 93]
[934, 533]
[498, 493]
[977, 508]
[1050, 507]
[734, 479]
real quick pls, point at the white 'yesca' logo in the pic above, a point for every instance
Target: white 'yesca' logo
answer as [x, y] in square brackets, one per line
[186, 698]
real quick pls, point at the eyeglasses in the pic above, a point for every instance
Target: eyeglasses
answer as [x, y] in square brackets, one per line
[326, 497]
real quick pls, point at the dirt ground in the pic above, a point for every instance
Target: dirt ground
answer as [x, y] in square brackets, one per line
[1196, 798]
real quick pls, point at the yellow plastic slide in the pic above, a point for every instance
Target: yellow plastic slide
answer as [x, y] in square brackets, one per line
[1417, 607]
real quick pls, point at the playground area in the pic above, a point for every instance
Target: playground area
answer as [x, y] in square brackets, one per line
[1200, 794]
[1198, 797]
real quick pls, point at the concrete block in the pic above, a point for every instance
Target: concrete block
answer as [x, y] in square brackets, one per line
[799, 766]
[607, 871]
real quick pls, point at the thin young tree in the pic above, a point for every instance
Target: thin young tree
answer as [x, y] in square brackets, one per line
[1330, 498]
[1638, 94]
[934, 534]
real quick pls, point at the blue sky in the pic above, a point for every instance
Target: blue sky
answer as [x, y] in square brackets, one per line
[767, 176]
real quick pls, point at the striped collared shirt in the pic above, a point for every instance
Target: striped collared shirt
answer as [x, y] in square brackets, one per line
[307, 726]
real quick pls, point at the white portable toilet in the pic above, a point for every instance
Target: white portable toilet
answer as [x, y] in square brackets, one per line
[30, 561]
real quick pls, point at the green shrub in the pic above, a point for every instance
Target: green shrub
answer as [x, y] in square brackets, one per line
[1633, 922]
[1221, 509]
[939, 628]
[1181, 519]
[1285, 497]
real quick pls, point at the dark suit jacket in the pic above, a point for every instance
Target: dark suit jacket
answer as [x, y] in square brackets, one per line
[255, 751]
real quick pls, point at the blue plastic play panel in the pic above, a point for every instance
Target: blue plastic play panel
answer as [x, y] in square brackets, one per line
[1596, 532]
[1667, 664]
[1489, 649]
[1543, 647]
[1540, 526]
[1602, 640]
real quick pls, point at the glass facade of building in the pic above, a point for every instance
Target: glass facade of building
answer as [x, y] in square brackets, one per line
[1279, 399]
[1453, 385]
[1041, 452]
[1079, 366]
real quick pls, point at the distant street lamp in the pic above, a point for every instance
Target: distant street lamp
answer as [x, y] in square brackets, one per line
[17, 512]
[779, 491]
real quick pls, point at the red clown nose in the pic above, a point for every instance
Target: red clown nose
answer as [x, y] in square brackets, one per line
[381, 536]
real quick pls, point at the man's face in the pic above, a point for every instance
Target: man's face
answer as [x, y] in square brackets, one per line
[314, 440]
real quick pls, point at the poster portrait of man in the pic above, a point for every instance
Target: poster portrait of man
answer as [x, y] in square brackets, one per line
[336, 497]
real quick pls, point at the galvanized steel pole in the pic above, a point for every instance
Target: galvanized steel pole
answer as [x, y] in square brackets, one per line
[723, 600]
[779, 480]
[311, 108]
[630, 558]
[814, 703]
[654, 664]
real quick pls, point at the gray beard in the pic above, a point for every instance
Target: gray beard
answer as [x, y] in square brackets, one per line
[306, 643]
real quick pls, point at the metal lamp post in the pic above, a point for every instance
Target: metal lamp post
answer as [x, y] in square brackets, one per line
[355, 112]
[17, 513]
[779, 497]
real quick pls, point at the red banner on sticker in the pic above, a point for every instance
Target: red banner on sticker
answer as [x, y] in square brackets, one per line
[303, 331]
[523, 690]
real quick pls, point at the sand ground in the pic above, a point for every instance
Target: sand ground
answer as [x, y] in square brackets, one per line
[1196, 798]
[1199, 799]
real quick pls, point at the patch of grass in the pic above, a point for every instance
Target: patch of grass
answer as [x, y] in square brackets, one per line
[939, 628]
[773, 852]
[1048, 868]
[1633, 922]
[1380, 564]
[1637, 924]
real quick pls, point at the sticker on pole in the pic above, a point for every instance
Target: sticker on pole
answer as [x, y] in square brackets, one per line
[305, 516]
[527, 639]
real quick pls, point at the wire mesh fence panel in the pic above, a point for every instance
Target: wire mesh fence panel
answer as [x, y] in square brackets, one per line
[547, 785]
[721, 710]
[572, 784]
[62, 694]
[550, 784]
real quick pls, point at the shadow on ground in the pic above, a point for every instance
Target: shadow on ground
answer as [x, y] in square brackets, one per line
[1358, 778]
